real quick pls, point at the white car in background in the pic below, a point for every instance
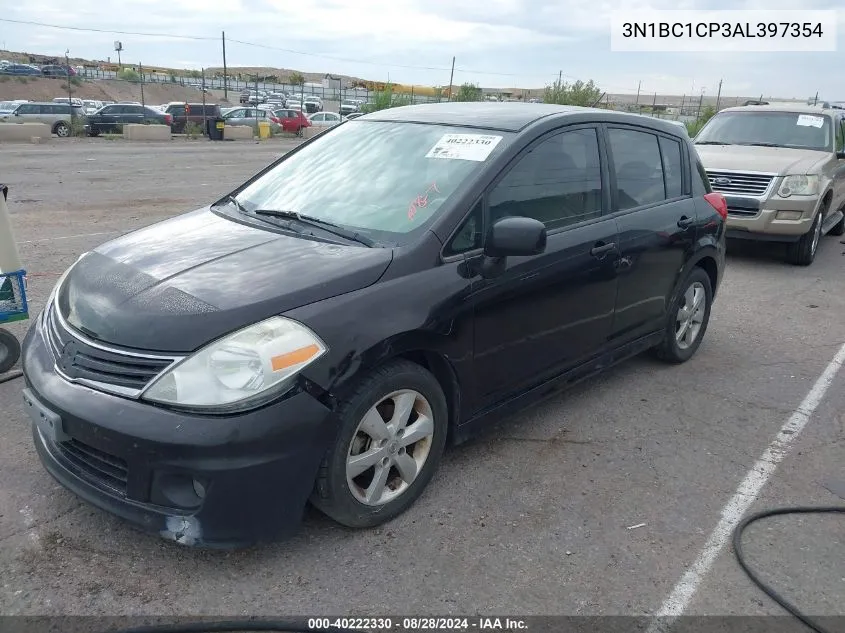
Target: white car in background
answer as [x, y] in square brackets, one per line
[325, 119]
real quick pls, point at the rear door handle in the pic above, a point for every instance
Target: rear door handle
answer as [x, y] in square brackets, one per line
[601, 249]
[685, 222]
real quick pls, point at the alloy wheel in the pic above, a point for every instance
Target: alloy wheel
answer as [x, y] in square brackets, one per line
[690, 315]
[390, 447]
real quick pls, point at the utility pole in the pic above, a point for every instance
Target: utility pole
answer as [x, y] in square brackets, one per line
[700, 102]
[141, 68]
[225, 72]
[639, 85]
[683, 101]
[719, 95]
[204, 115]
[653, 103]
[559, 78]
[816, 100]
[451, 78]
[69, 92]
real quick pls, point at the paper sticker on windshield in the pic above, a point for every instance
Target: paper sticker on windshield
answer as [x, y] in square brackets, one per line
[475, 147]
[808, 120]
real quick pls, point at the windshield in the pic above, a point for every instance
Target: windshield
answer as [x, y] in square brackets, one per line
[384, 179]
[780, 129]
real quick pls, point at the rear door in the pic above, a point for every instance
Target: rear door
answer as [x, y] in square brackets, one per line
[839, 172]
[550, 312]
[133, 114]
[657, 219]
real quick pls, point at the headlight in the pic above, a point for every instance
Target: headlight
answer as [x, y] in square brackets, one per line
[799, 186]
[241, 370]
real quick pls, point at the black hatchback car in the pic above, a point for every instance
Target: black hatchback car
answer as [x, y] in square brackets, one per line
[323, 340]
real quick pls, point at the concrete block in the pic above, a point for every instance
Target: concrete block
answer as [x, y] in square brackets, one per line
[238, 132]
[140, 132]
[23, 132]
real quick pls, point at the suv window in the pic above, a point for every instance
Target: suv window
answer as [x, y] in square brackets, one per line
[28, 108]
[469, 236]
[558, 182]
[638, 167]
[672, 167]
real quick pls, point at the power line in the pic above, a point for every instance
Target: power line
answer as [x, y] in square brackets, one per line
[109, 31]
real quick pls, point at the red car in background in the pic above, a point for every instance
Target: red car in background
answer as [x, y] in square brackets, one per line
[290, 120]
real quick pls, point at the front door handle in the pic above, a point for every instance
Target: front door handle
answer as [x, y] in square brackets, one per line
[685, 222]
[601, 249]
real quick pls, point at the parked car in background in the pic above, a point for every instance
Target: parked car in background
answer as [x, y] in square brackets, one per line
[20, 69]
[112, 118]
[471, 261]
[291, 120]
[91, 106]
[59, 116]
[325, 119]
[782, 170]
[7, 107]
[294, 98]
[55, 70]
[196, 113]
[312, 104]
[353, 115]
[79, 103]
[246, 116]
[348, 106]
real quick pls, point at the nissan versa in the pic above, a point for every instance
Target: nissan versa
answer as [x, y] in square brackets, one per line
[324, 339]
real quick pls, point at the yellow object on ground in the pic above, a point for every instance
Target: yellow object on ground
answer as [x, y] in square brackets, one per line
[263, 129]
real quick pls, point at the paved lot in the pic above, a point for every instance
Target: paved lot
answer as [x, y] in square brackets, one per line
[530, 519]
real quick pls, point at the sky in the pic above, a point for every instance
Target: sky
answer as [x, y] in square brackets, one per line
[496, 43]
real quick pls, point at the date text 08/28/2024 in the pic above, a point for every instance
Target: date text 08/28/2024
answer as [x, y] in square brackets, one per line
[477, 623]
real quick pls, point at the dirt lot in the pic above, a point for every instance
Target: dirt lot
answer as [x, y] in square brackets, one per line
[535, 518]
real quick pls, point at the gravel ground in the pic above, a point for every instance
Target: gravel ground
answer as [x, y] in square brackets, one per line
[532, 518]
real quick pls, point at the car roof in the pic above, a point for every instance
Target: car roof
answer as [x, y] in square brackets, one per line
[781, 107]
[505, 117]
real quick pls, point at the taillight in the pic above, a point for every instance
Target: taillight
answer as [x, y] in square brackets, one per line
[168, 119]
[718, 202]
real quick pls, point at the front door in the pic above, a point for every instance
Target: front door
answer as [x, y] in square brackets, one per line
[657, 220]
[549, 312]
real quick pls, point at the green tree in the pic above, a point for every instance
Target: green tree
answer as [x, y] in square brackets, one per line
[386, 98]
[297, 79]
[194, 74]
[468, 92]
[707, 113]
[577, 93]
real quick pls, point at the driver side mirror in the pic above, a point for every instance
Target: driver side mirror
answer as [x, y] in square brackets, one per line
[515, 236]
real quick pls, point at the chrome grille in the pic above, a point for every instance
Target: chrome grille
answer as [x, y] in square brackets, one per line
[101, 367]
[740, 183]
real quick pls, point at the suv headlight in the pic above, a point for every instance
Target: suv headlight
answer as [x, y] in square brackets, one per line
[241, 370]
[799, 186]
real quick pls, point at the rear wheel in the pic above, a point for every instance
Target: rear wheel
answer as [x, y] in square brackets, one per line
[62, 129]
[803, 252]
[688, 318]
[392, 436]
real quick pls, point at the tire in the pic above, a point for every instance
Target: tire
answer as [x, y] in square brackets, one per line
[803, 252]
[839, 227]
[61, 129]
[675, 349]
[355, 497]
[10, 350]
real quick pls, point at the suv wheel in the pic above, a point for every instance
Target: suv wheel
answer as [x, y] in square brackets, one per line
[62, 129]
[687, 319]
[803, 252]
[392, 435]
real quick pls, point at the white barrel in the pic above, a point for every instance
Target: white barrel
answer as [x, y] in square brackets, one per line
[10, 260]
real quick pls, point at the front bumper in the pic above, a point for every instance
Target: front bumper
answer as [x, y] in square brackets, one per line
[780, 219]
[198, 480]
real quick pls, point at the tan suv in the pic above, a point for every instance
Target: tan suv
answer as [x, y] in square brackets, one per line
[782, 170]
[56, 115]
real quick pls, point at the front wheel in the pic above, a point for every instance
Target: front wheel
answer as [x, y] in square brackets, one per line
[10, 350]
[62, 130]
[392, 436]
[688, 318]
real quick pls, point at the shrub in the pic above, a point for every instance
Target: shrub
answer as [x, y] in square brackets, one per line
[468, 92]
[77, 127]
[193, 130]
[127, 74]
[577, 94]
[76, 81]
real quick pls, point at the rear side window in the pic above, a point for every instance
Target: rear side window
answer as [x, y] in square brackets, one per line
[558, 182]
[638, 166]
[672, 167]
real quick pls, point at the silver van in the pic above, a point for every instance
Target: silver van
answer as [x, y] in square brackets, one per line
[57, 115]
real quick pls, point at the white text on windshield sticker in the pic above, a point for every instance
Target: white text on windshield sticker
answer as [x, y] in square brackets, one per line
[475, 147]
[808, 120]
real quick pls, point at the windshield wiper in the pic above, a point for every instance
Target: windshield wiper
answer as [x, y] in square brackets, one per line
[330, 227]
[761, 144]
[711, 143]
[237, 204]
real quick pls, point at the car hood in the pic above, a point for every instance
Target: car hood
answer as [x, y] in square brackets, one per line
[178, 284]
[778, 160]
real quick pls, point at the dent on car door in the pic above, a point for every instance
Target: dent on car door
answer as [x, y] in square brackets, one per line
[657, 220]
[547, 313]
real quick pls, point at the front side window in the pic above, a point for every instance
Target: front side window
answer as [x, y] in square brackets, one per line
[558, 182]
[638, 166]
[798, 130]
[469, 236]
[388, 179]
